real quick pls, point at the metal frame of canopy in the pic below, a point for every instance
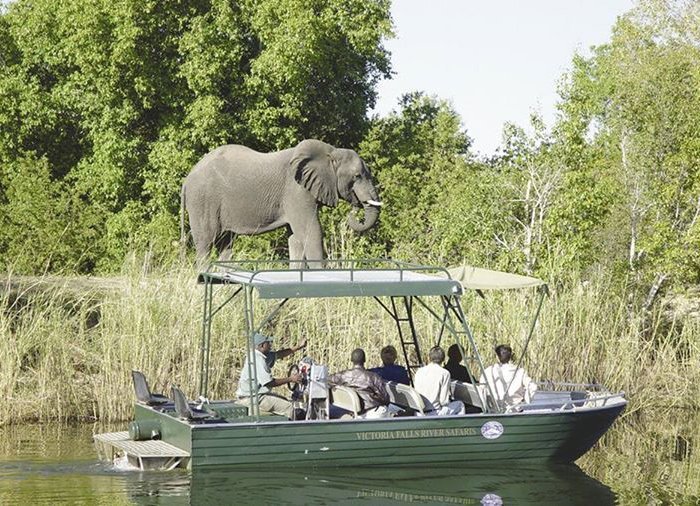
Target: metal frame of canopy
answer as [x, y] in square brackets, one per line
[479, 280]
[402, 283]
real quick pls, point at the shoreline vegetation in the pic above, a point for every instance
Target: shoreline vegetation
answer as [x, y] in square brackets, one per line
[103, 115]
[67, 353]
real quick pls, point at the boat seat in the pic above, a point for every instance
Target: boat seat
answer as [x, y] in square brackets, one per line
[346, 398]
[406, 397]
[143, 393]
[467, 393]
[184, 410]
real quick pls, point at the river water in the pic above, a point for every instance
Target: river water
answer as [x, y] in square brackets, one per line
[644, 459]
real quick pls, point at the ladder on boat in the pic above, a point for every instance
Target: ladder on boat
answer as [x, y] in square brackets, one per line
[401, 310]
[460, 330]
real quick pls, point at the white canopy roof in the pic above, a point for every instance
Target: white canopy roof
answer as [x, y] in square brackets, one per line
[474, 278]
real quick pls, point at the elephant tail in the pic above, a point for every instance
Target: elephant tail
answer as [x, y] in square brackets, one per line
[183, 236]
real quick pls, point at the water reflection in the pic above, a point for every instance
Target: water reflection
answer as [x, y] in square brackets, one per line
[521, 485]
[649, 458]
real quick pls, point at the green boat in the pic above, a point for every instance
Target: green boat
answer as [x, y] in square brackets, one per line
[560, 424]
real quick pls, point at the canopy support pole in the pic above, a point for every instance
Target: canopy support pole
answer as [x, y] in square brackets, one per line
[251, 355]
[452, 303]
[204, 349]
[207, 318]
[543, 291]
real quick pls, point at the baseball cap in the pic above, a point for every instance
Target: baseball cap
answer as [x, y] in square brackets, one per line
[259, 338]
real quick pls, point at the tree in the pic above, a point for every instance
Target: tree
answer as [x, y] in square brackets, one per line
[120, 99]
[641, 89]
[412, 154]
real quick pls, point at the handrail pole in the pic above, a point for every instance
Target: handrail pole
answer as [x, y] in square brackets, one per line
[206, 337]
[457, 308]
[252, 359]
[529, 336]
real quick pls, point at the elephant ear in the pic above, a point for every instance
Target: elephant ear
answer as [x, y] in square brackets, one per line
[314, 169]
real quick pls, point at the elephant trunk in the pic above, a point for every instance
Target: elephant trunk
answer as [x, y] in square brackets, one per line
[371, 215]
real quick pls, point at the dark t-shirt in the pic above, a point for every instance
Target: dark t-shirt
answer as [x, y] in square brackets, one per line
[393, 372]
[458, 372]
[271, 358]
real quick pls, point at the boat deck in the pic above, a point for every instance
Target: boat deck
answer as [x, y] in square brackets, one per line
[152, 454]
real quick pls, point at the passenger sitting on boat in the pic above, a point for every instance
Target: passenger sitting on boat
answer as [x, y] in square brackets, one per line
[267, 401]
[433, 383]
[370, 387]
[457, 371]
[510, 383]
[391, 371]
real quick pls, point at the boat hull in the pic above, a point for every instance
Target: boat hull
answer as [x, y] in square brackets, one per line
[552, 436]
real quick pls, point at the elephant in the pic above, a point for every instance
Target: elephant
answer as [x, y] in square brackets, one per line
[234, 190]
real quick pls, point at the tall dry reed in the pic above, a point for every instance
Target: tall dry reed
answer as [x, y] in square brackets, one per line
[68, 355]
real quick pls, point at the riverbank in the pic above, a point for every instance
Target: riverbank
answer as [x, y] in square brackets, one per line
[67, 354]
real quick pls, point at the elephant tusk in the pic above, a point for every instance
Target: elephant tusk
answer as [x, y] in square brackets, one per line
[374, 203]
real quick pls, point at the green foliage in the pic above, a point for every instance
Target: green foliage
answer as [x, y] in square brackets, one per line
[42, 227]
[635, 99]
[412, 153]
[471, 214]
[120, 99]
[105, 107]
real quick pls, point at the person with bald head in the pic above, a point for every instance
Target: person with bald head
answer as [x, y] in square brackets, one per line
[370, 387]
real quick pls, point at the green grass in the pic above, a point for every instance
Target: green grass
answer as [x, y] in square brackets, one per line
[67, 355]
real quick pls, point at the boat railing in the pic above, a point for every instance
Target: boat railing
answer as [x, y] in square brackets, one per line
[593, 400]
[253, 269]
[559, 386]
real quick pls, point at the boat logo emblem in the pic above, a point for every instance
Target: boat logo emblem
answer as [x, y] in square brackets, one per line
[492, 500]
[492, 430]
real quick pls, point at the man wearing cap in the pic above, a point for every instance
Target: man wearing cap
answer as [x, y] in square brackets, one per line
[272, 356]
[264, 359]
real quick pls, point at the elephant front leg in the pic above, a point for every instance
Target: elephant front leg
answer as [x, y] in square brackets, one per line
[313, 247]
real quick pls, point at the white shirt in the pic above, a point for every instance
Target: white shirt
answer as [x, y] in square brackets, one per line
[263, 372]
[502, 377]
[433, 383]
